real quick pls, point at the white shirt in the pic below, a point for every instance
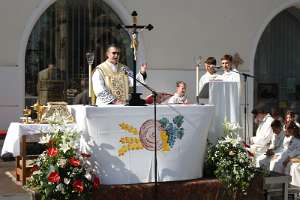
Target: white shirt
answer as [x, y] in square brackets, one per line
[277, 141]
[231, 76]
[206, 78]
[264, 132]
[176, 99]
[293, 148]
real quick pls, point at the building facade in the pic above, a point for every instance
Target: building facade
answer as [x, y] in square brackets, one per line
[182, 31]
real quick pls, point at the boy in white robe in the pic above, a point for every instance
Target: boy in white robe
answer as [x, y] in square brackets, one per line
[230, 74]
[263, 161]
[211, 74]
[261, 141]
[279, 162]
[179, 96]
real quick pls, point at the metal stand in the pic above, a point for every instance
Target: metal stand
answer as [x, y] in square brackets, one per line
[245, 99]
[154, 94]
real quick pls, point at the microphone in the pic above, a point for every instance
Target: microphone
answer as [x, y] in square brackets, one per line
[217, 67]
[127, 71]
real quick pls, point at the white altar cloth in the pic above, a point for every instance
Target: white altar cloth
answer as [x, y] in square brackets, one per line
[16, 130]
[225, 96]
[183, 161]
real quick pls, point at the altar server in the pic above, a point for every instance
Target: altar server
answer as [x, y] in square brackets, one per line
[263, 161]
[210, 67]
[179, 96]
[291, 149]
[261, 141]
[230, 73]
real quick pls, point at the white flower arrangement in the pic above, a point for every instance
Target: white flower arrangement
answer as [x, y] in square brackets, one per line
[231, 128]
[232, 163]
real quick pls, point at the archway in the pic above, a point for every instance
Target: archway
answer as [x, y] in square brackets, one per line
[114, 5]
[276, 63]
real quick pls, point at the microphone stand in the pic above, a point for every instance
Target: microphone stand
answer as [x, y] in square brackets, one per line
[154, 94]
[245, 75]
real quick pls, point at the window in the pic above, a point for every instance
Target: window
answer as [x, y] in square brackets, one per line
[56, 49]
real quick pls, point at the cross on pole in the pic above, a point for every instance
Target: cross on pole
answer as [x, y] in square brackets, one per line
[134, 30]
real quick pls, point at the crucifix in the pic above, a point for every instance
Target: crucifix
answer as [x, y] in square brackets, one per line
[135, 97]
[134, 30]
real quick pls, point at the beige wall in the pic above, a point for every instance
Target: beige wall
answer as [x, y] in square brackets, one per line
[14, 15]
[182, 30]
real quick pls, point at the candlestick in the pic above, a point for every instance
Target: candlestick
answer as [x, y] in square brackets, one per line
[90, 59]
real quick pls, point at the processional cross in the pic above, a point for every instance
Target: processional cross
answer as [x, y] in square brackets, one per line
[134, 30]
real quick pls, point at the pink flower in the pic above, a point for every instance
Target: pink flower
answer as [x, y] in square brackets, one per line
[53, 177]
[78, 185]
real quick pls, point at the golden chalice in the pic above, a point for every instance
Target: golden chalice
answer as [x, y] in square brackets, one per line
[26, 114]
[39, 108]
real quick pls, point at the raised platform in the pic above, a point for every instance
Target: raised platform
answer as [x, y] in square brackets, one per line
[198, 189]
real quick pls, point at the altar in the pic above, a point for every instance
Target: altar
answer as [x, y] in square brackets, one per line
[121, 141]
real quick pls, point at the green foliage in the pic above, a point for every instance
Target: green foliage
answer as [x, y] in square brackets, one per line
[231, 163]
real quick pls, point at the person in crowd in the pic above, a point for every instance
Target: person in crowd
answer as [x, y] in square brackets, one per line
[276, 115]
[110, 80]
[291, 149]
[230, 74]
[83, 96]
[290, 117]
[263, 161]
[179, 96]
[51, 83]
[261, 141]
[210, 67]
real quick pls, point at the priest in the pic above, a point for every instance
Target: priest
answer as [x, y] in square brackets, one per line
[110, 80]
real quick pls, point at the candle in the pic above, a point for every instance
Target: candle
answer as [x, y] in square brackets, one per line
[90, 81]
[197, 80]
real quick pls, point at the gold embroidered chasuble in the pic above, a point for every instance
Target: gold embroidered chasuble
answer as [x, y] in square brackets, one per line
[115, 82]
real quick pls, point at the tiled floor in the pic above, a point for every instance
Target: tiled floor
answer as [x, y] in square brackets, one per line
[9, 188]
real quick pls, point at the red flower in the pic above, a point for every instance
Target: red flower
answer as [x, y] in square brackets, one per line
[250, 154]
[78, 185]
[96, 183]
[52, 151]
[86, 155]
[246, 145]
[74, 162]
[53, 177]
[34, 168]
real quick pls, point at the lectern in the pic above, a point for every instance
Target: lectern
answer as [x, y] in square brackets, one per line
[225, 96]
